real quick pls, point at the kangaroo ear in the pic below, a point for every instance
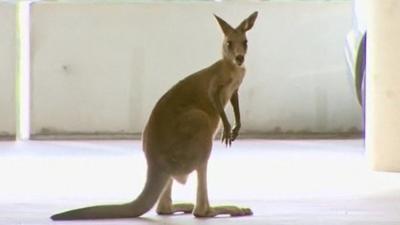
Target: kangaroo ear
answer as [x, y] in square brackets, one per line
[248, 23]
[226, 28]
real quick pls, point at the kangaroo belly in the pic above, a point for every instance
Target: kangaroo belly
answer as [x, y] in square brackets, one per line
[182, 142]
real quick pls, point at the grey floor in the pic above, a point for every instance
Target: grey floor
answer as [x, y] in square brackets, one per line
[284, 182]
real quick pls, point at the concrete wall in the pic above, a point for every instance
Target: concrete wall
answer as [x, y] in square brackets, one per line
[100, 68]
[7, 70]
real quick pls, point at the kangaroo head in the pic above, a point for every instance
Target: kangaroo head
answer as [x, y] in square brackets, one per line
[235, 42]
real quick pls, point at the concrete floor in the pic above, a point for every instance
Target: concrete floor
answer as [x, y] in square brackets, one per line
[284, 182]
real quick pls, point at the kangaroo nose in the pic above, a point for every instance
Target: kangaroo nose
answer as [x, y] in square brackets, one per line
[239, 59]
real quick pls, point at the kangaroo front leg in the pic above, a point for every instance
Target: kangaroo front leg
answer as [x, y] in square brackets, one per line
[215, 97]
[203, 208]
[165, 206]
[236, 110]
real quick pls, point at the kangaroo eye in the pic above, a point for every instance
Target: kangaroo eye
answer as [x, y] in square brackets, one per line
[245, 43]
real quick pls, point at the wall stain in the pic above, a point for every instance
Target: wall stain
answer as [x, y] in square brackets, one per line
[66, 69]
[7, 136]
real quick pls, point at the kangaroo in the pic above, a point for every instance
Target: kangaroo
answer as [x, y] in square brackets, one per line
[178, 136]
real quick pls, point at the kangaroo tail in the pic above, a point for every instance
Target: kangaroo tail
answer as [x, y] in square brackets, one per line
[156, 180]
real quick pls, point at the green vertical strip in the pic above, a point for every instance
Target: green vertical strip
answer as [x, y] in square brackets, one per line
[18, 71]
[22, 72]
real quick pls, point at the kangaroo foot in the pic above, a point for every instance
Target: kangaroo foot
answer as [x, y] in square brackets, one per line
[223, 210]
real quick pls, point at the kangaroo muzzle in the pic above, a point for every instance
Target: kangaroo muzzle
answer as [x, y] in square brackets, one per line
[239, 59]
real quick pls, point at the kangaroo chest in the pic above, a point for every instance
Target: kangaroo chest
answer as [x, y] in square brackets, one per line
[232, 81]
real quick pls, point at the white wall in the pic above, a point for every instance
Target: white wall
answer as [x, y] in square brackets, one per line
[7, 69]
[99, 68]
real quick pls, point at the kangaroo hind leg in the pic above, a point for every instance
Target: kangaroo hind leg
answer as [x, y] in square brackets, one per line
[165, 206]
[203, 208]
